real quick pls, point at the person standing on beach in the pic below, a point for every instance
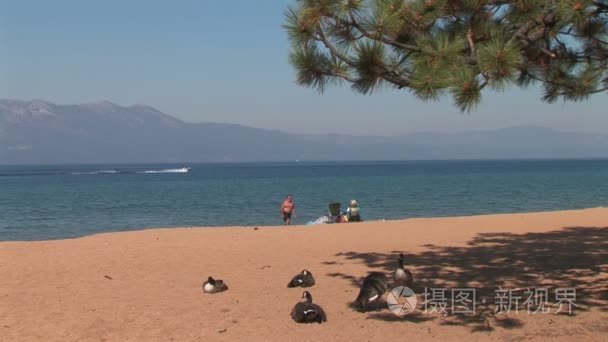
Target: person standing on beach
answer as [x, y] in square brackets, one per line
[288, 208]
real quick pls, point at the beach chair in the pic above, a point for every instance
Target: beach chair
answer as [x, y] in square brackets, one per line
[335, 213]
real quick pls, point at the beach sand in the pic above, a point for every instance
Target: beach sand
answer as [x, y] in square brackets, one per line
[146, 285]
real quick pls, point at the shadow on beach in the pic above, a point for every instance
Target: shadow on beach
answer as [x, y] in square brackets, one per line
[574, 257]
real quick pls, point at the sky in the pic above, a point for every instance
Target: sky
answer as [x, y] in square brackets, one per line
[226, 61]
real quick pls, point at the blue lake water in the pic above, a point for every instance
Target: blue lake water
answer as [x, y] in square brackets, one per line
[52, 202]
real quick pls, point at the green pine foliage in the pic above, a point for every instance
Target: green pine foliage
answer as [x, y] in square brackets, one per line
[457, 48]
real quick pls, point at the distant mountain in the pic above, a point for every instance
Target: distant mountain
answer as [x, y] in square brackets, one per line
[41, 132]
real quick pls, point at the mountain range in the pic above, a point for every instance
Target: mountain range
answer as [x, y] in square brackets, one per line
[40, 132]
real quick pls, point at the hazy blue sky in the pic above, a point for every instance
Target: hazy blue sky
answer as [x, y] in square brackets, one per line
[223, 61]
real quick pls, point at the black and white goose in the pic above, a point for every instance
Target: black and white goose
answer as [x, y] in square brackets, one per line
[214, 285]
[306, 311]
[402, 276]
[303, 279]
[372, 289]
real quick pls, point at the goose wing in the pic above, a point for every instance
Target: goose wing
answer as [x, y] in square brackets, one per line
[297, 313]
[296, 281]
[320, 312]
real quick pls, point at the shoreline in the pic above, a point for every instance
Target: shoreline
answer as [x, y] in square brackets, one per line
[145, 285]
[171, 228]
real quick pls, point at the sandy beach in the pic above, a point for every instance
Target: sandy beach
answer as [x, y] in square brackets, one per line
[146, 285]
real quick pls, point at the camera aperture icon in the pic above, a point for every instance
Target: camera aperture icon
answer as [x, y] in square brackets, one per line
[401, 300]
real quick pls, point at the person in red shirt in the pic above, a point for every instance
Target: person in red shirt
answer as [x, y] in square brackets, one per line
[288, 208]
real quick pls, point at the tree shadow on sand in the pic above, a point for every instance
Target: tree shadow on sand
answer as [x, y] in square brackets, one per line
[574, 257]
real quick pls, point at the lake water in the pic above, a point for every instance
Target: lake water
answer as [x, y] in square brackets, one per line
[52, 202]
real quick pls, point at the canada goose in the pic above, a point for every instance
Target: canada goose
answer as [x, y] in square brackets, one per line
[402, 276]
[373, 287]
[307, 312]
[214, 285]
[303, 279]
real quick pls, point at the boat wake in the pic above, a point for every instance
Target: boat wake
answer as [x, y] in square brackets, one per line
[180, 170]
[103, 172]
[100, 172]
[84, 172]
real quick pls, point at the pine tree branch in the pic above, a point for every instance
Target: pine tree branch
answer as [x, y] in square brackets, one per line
[601, 90]
[600, 5]
[529, 42]
[597, 91]
[332, 49]
[560, 84]
[387, 74]
[342, 76]
[484, 84]
[550, 43]
[470, 39]
[379, 37]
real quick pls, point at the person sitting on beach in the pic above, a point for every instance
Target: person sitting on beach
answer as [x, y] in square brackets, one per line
[288, 208]
[352, 213]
